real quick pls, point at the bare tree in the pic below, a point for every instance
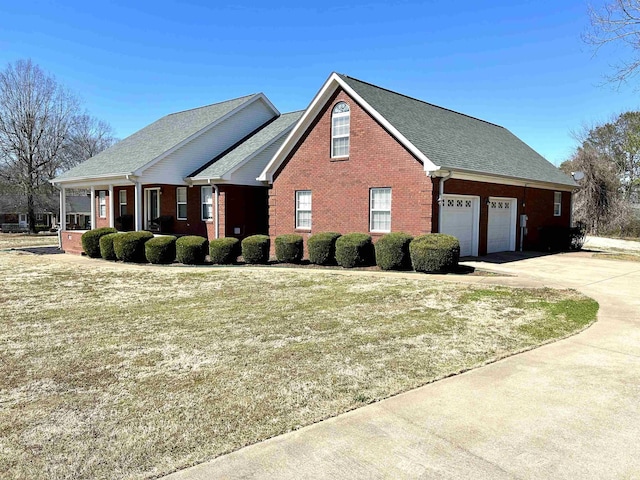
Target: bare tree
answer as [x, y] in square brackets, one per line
[88, 137]
[617, 22]
[36, 115]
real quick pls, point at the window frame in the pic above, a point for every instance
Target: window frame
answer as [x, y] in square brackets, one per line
[121, 203]
[179, 203]
[337, 115]
[372, 209]
[102, 203]
[203, 202]
[298, 210]
[557, 204]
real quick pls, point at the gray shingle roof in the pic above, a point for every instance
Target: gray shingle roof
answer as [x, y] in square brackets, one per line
[248, 146]
[137, 150]
[456, 141]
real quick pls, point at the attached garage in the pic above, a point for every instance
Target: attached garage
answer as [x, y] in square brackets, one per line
[501, 224]
[460, 214]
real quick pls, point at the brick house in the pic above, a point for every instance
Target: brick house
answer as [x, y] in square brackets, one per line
[192, 172]
[366, 159]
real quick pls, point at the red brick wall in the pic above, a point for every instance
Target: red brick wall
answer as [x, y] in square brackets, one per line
[71, 241]
[340, 188]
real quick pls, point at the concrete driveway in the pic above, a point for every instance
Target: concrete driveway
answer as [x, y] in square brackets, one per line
[567, 410]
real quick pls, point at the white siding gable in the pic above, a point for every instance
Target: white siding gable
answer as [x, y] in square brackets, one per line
[247, 173]
[176, 166]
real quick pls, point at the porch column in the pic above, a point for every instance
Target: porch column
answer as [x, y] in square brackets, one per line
[112, 202]
[63, 208]
[93, 207]
[138, 206]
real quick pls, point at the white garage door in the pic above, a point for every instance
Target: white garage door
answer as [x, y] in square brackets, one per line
[501, 232]
[460, 219]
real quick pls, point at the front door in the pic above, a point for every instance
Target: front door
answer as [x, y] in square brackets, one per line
[23, 220]
[151, 206]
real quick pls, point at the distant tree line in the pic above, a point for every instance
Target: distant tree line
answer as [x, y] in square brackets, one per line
[43, 132]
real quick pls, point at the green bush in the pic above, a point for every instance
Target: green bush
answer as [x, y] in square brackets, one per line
[224, 251]
[255, 249]
[354, 250]
[129, 246]
[106, 246]
[434, 252]
[322, 248]
[160, 250]
[191, 250]
[91, 240]
[392, 251]
[289, 248]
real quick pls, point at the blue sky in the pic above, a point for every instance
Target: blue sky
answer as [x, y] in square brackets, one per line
[520, 64]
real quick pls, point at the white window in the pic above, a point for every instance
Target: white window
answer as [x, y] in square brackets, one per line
[340, 119]
[122, 200]
[39, 217]
[380, 204]
[206, 194]
[303, 209]
[557, 204]
[181, 199]
[102, 203]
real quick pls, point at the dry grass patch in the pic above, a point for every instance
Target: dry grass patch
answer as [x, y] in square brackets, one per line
[627, 257]
[111, 373]
[20, 240]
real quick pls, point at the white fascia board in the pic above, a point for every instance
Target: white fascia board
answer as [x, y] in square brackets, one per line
[504, 180]
[257, 97]
[330, 86]
[93, 180]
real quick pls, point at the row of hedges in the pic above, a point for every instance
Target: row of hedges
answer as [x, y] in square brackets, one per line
[141, 247]
[394, 251]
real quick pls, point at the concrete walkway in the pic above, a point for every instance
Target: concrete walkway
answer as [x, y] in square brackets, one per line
[567, 410]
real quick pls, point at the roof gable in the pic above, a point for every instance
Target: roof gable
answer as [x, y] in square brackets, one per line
[247, 148]
[156, 140]
[443, 140]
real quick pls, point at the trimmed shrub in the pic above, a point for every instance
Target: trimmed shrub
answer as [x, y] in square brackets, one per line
[434, 252]
[224, 251]
[160, 250]
[129, 246]
[354, 250]
[255, 249]
[106, 246]
[91, 240]
[191, 249]
[289, 248]
[322, 248]
[392, 251]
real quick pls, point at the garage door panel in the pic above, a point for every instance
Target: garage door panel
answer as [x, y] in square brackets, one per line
[500, 226]
[459, 219]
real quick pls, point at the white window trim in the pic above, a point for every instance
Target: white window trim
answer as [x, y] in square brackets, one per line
[178, 203]
[333, 135]
[559, 204]
[121, 203]
[102, 202]
[203, 202]
[371, 209]
[298, 210]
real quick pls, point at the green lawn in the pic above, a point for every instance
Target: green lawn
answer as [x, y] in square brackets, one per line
[132, 372]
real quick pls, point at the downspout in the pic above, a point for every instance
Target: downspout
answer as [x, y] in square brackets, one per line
[216, 214]
[441, 198]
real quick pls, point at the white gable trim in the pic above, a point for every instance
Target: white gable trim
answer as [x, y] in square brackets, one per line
[503, 180]
[330, 86]
[258, 97]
